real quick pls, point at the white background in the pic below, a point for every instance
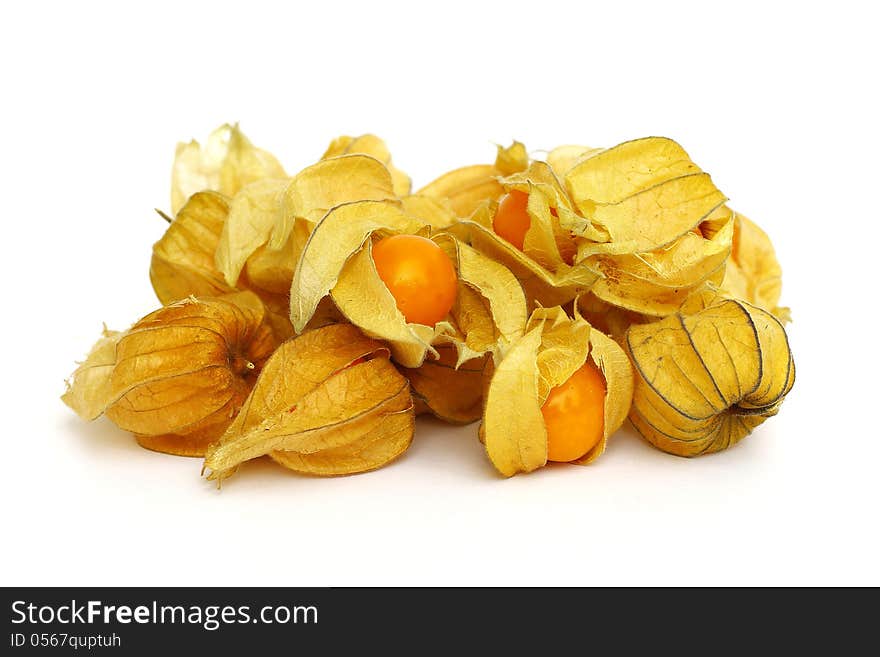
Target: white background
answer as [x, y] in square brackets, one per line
[776, 100]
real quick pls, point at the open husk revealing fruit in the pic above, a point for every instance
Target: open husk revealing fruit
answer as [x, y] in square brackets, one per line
[328, 402]
[704, 381]
[177, 378]
[488, 313]
[543, 261]
[553, 348]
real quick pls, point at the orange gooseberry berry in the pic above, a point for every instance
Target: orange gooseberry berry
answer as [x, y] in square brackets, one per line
[512, 219]
[574, 414]
[419, 275]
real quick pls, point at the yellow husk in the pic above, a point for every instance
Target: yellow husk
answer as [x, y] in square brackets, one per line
[184, 261]
[179, 375]
[489, 314]
[553, 348]
[452, 394]
[542, 267]
[375, 147]
[753, 273]
[327, 184]
[603, 177]
[270, 220]
[704, 381]
[468, 188]
[563, 158]
[316, 409]
[227, 162]
[657, 283]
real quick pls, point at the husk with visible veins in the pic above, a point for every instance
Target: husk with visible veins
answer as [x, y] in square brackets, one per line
[375, 147]
[270, 220]
[657, 283]
[598, 177]
[704, 381]
[179, 375]
[449, 392]
[318, 409]
[183, 262]
[183, 259]
[327, 184]
[544, 265]
[552, 349]
[644, 195]
[226, 162]
[467, 188]
[489, 312]
[563, 158]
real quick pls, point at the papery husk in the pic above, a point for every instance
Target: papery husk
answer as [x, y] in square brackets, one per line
[552, 349]
[545, 287]
[543, 266]
[177, 377]
[452, 394]
[370, 145]
[563, 158]
[253, 213]
[704, 381]
[225, 163]
[328, 184]
[657, 283]
[753, 273]
[489, 312]
[643, 194]
[610, 320]
[183, 259]
[270, 220]
[655, 217]
[608, 176]
[88, 389]
[436, 212]
[319, 408]
[467, 188]
[184, 264]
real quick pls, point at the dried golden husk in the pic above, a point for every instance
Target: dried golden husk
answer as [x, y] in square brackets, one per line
[225, 163]
[270, 220]
[328, 402]
[644, 194]
[611, 320]
[704, 381]
[177, 378]
[183, 259]
[489, 312]
[552, 349]
[375, 147]
[657, 283]
[468, 188]
[563, 158]
[183, 262]
[327, 184]
[452, 394]
[753, 273]
[543, 266]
